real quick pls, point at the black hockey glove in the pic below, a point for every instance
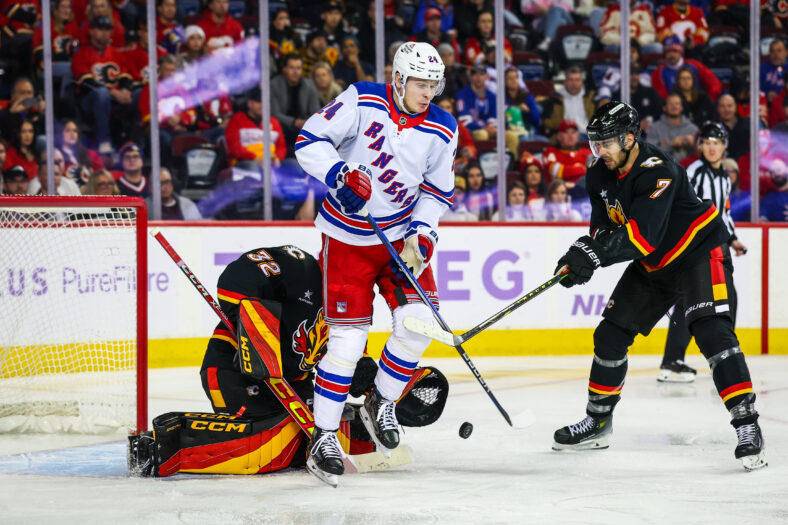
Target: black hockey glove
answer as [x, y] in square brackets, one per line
[582, 258]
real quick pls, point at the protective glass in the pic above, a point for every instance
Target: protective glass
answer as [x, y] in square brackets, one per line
[610, 145]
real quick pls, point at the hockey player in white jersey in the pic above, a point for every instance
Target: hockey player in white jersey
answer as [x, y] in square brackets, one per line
[386, 148]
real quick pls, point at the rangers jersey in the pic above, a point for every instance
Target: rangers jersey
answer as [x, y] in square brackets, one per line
[651, 214]
[411, 158]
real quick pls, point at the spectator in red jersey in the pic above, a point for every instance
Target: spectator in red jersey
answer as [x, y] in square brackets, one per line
[80, 161]
[18, 19]
[173, 206]
[132, 181]
[221, 30]
[697, 104]
[136, 56]
[433, 34]
[566, 161]
[244, 135]
[194, 48]
[63, 185]
[15, 181]
[686, 22]
[485, 31]
[99, 9]
[664, 76]
[169, 33]
[351, 69]
[24, 105]
[65, 35]
[103, 82]
[101, 182]
[22, 152]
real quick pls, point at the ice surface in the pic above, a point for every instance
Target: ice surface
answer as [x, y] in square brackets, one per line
[670, 461]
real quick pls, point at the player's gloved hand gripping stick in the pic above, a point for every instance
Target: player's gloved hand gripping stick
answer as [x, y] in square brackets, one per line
[418, 326]
[413, 282]
[294, 405]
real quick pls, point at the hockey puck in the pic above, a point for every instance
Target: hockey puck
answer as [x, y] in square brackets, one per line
[465, 430]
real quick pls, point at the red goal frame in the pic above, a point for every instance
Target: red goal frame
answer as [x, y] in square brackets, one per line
[17, 201]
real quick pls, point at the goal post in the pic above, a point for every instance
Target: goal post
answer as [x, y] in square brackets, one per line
[73, 314]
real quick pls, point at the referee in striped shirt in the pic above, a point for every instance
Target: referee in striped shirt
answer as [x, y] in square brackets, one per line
[712, 183]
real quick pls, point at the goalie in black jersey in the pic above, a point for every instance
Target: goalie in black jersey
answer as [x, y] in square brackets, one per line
[274, 298]
[645, 211]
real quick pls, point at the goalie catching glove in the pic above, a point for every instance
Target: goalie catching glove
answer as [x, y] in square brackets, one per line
[353, 182]
[583, 257]
[420, 241]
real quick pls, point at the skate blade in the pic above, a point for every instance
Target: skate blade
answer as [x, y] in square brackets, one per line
[600, 442]
[668, 376]
[754, 462]
[371, 430]
[325, 477]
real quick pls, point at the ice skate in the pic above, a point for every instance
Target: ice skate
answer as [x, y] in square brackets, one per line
[380, 420]
[751, 449]
[141, 454]
[590, 433]
[676, 372]
[325, 457]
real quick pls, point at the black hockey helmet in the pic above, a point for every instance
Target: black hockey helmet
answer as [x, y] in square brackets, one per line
[713, 130]
[614, 119]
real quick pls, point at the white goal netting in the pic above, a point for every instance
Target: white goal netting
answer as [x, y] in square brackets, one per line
[68, 317]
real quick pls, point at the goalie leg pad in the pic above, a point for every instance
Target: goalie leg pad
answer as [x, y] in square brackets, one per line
[259, 346]
[205, 443]
[424, 398]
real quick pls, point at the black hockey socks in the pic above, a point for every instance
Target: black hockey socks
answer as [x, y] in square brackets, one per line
[608, 369]
[728, 367]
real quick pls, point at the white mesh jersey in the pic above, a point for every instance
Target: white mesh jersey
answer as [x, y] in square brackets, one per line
[411, 159]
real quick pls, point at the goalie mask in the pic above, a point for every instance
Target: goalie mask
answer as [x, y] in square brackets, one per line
[418, 60]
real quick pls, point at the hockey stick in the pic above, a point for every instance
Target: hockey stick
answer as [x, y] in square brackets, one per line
[417, 326]
[294, 405]
[423, 296]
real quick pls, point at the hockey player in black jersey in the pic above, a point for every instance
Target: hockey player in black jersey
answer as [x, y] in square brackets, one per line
[712, 183]
[645, 211]
[278, 290]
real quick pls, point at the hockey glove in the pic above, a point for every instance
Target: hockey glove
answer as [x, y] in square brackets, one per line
[417, 251]
[582, 258]
[354, 185]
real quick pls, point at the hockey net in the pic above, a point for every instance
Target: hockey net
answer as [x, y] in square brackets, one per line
[73, 314]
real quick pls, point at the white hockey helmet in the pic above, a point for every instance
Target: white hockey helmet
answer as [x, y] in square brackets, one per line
[418, 60]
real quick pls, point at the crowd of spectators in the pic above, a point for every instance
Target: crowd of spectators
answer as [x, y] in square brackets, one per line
[689, 64]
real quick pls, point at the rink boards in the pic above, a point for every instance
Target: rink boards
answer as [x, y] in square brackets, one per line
[479, 270]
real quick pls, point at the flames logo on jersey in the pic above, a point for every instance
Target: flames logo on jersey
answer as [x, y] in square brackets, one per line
[615, 212]
[106, 74]
[311, 343]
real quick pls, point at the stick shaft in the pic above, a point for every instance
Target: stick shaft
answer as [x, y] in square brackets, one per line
[512, 307]
[420, 291]
[294, 405]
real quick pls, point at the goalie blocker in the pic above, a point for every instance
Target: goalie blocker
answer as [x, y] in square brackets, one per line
[206, 443]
